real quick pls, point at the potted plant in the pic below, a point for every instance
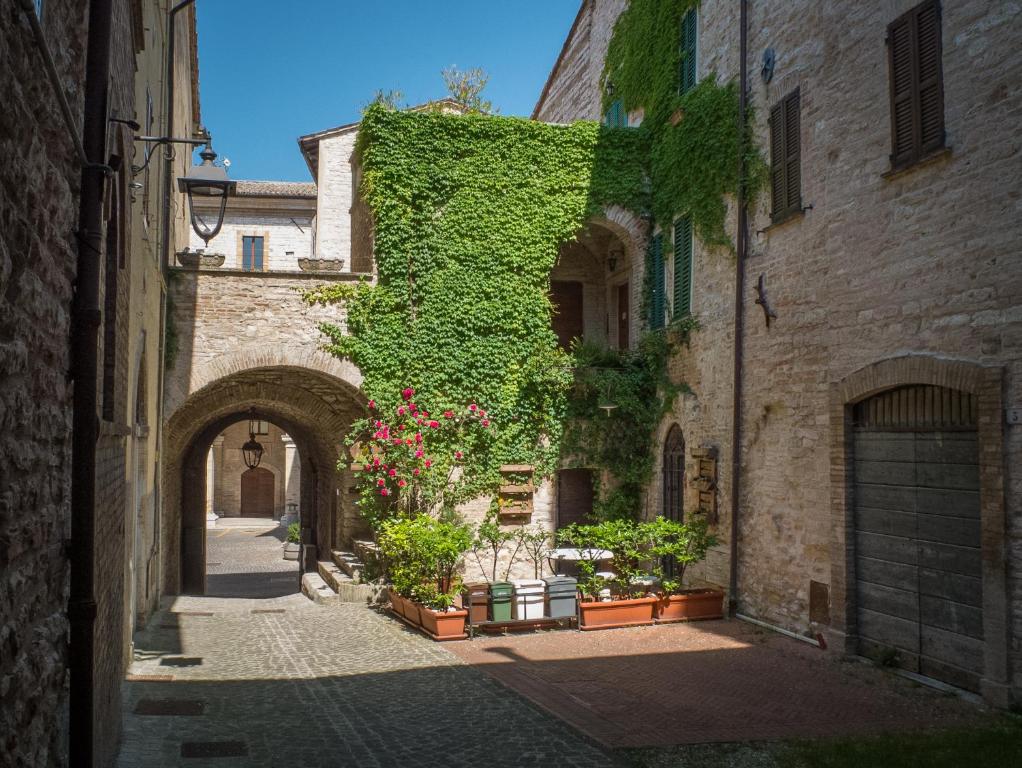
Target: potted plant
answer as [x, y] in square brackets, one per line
[682, 544]
[423, 554]
[629, 604]
[293, 542]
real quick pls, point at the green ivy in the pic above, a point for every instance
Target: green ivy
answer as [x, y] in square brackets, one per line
[470, 212]
[694, 138]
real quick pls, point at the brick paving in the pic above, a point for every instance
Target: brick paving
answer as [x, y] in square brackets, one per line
[718, 681]
[249, 562]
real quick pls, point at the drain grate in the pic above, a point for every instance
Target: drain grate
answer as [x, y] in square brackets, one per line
[268, 610]
[170, 707]
[208, 564]
[191, 613]
[149, 678]
[181, 661]
[214, 749]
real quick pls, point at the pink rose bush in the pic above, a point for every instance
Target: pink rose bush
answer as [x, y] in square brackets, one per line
[399, 457]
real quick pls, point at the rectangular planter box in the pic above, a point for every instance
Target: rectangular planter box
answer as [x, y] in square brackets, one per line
[442, 625]
[633, 612]
[692, 605]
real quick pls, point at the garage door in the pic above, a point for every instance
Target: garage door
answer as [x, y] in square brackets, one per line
[917, 533]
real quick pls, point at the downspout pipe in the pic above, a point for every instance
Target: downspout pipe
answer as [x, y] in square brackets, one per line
[86, 319]
[741, 253]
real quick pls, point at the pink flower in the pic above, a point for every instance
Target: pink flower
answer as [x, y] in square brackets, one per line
[376, 461]
[486, 422]
[384, 492]
[392, 473]
[378, 435]
[372, 404]
[415, 471]
[407, 393]
[378, 424]
[473, 407]
[457, 454]
[381, 482]
[427, 463]
[401, 410]
[434, 424]
[418, 437]
[401, 427]
[448, 414]
[401, 483]
[408, 441]
[398, 441]
[418, 454]
[418, 421]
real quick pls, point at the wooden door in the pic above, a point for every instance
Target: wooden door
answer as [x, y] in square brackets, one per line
[257, 490]
[574, 497]
[918, 569]
[622, 316]
[566, 298]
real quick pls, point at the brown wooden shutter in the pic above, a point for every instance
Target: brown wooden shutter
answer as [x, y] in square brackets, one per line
[917, 85]
[785, 157]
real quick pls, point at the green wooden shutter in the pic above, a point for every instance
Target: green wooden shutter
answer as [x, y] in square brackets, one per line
[615, 116]
[658, 303]
[682, 267]
[687, 77]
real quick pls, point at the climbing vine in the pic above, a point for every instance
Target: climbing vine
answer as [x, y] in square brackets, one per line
[469, 214]
[694, 138]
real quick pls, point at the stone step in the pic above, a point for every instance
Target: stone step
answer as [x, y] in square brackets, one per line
[317, 590]
[349, 563]
[348, 590]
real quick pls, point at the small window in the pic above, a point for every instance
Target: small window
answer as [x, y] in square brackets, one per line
[687, 75]
[682, 267]
[252, 254]
[917, 84]
[615, 116]
[785, 158]
[258, 427]
[658, 302]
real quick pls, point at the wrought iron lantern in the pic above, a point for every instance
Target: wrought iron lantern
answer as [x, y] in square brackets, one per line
[210, 181]
[252, 451]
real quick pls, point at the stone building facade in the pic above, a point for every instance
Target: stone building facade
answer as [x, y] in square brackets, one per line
[886, 282]
[40, 254]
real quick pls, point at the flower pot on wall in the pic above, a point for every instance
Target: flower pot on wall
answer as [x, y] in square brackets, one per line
[632, 612]
[691, 605]
[194, 260]
[320, 265]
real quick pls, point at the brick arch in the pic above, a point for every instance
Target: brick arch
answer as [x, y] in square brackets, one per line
[344, 372]
[313, 407]
[627, 226]
[986, 383]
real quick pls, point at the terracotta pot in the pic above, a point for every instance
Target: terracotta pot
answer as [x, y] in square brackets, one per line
[691, 605]
[633, 612]
[442, 625]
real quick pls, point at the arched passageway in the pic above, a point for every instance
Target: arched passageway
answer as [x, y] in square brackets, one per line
[314, 408]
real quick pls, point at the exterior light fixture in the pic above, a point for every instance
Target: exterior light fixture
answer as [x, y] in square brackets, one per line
[210, 181]
[606, 404]
[252, 451]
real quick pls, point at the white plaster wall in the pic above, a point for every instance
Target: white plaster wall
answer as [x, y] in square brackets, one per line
[335, 197]
[283, 235]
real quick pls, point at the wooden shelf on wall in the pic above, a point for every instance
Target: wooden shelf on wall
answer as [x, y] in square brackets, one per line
[515, 498]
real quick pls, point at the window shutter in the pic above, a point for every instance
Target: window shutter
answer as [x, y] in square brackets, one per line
[688, 52]
[615, 117]
[682, 267]
[917, 84]
[792, 153]
[931, 85]
[657, 305]
[778, 166]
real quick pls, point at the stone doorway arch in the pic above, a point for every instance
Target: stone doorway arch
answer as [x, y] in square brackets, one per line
[316, 409]
[985, 384]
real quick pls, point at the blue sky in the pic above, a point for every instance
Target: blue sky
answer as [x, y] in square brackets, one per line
[270, 71]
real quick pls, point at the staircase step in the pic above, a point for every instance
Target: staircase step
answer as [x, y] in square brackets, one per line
[317, 590]
[348, 590]
[349, 563]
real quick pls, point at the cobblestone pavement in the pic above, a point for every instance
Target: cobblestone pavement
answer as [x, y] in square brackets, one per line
[318, 685]
[713, 681]
[249, 562]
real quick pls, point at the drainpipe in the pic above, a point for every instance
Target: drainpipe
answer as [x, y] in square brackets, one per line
[742, 248]
[86, 319]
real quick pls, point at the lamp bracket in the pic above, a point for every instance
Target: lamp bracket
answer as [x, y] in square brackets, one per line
[158, 141]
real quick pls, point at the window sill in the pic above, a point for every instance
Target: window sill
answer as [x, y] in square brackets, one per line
[928, 159]
[791, 215]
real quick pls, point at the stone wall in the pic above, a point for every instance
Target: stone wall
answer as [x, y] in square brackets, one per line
[921, 263]
[39, 177]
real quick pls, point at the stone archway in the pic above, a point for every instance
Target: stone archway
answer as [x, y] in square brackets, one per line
[985, 384]
[314, 408]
